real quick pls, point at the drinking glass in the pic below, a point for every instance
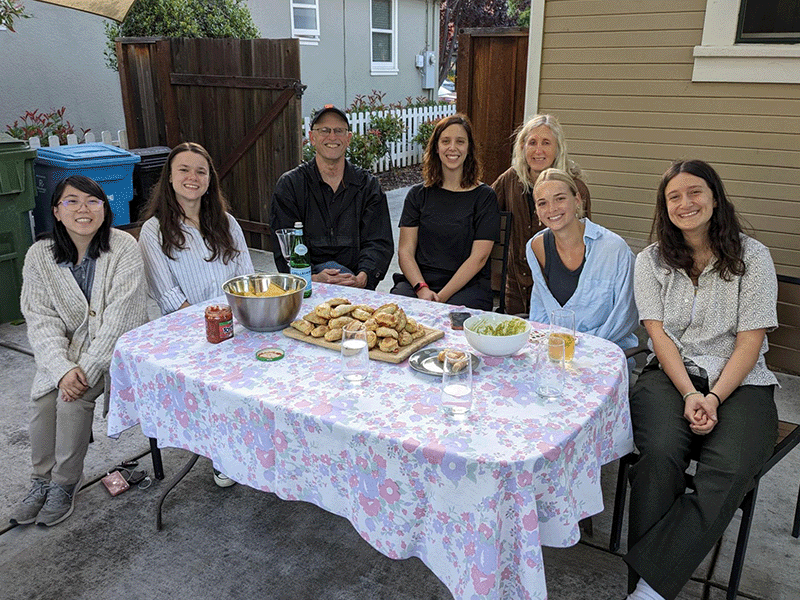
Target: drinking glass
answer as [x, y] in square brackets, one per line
[355, 356]
[562, 324]
[551, 367]
[457, 385]
[285, 241]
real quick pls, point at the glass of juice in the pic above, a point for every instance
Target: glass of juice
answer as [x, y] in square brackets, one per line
[562, 325]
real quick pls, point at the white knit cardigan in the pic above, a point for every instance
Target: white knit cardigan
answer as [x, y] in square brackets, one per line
[66, 331]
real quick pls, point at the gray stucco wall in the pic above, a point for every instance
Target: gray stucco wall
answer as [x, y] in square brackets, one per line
[338, 68]
[55, 59]
[58, 59]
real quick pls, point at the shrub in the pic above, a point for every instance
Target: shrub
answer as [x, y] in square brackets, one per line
[181, 18]
[42, 125]
[424, 132]
[10, 10]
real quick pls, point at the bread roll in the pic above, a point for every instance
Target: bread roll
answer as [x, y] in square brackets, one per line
[383, 332]
[319, 331]
[303, 326]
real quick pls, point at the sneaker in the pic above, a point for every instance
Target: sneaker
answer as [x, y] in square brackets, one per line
[25, 512]
[59, 504]
[222, 480]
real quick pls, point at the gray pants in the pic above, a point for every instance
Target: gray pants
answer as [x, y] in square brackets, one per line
[60, 433]
[671, 531]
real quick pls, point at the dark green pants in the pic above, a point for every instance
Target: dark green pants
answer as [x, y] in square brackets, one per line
[671, 530]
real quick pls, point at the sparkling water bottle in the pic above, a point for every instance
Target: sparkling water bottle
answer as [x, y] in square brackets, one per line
[299, 261]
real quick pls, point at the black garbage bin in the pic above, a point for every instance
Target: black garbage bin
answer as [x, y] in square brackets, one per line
[145, 176]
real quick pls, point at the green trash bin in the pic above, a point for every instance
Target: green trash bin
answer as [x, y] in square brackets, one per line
[17, 199]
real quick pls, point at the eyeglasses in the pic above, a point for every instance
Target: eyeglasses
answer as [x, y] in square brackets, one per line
[91, 204]
[326, 131]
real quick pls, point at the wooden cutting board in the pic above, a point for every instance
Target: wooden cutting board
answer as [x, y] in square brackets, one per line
[431, 335]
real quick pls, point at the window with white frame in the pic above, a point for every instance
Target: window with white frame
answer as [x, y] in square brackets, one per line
[305, 20]
[769, 22]
[723, 57]
[383, 37]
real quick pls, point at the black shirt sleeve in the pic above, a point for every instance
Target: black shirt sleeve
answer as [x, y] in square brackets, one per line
[284, 212]
[377, 243]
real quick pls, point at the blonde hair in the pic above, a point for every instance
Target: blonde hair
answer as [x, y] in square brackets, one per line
[564, 177]
[561, 161]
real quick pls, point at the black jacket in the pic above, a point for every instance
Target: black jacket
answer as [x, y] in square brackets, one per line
[355, 232]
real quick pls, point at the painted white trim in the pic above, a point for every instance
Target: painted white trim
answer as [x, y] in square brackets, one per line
[306, 36]
[388, 67]
[719, 58]
[534, 73]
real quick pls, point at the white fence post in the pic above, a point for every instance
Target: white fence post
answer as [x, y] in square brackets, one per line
[89, 138]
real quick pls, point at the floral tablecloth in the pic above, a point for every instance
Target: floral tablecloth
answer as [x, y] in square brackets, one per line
[474, 500]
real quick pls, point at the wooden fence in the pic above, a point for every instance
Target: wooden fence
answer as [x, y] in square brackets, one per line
[405, 152]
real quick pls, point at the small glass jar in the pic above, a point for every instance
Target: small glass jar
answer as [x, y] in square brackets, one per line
[219, 323]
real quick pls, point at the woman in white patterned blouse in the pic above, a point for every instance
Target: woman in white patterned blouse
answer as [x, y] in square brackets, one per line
[706, 294]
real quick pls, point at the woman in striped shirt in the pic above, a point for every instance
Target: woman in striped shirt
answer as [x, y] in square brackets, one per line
[190, 244]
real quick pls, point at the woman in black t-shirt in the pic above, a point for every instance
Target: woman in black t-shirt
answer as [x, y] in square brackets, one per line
[449, 224]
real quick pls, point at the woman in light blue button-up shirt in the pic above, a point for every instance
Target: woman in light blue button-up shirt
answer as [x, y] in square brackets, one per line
[597, 261]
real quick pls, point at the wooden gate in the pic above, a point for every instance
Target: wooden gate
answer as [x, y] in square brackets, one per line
[240, 99]
[490, 89]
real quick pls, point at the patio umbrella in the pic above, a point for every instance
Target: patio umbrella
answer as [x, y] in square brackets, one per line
[113, 9]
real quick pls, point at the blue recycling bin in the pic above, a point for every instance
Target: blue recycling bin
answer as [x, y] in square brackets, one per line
[109, 166]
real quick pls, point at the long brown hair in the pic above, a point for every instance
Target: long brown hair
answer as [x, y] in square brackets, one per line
[723, 232]
[432, 164]
[214, 224]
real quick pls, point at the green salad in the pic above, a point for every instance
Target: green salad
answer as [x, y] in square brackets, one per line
[508, 327]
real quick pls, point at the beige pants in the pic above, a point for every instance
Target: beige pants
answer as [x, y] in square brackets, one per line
[60, 433]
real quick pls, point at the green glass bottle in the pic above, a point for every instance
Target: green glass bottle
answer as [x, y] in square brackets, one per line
[299, 261]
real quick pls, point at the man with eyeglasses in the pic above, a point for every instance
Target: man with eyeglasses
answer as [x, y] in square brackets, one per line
[344, 212]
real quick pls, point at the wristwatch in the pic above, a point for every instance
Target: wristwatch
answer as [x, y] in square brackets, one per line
[419, 286]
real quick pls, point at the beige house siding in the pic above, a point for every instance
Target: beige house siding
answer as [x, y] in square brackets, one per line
[619, 77]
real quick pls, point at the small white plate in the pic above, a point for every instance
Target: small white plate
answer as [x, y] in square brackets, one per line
[427, 361]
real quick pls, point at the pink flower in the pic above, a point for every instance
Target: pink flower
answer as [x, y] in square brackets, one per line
[267, 459]
[371, 506]
[279, 440]
[434, 453]
[483, 583]
[419, 512]
[389, 491]
[524, 479]
[410, 445]
[362, 462]
[190, 401]
[381, 461]
[469, 549]
[182, 417]
[531, 521]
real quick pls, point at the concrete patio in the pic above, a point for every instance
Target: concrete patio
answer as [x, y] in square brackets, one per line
[243, 543]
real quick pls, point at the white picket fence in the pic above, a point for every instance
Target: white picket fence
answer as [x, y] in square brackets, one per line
[405, 152]
[106, 137]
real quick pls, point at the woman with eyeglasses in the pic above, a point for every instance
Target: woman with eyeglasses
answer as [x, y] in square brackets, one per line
[190, 244]
[707, 296]
[82, 288]
[449, 223]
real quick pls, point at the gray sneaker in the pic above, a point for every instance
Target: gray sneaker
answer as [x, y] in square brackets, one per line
[59, 504]
[25, 512]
